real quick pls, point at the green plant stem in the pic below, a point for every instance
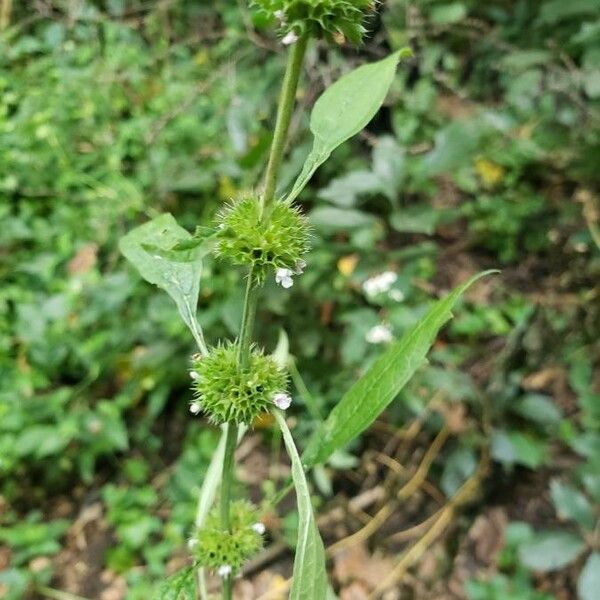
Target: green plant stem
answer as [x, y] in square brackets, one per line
[248, 317]
[226, 482]
[284, 116]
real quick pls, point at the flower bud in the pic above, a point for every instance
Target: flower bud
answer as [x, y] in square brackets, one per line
[278, 241]
[226, 551]
[224, 392]
[335, 20]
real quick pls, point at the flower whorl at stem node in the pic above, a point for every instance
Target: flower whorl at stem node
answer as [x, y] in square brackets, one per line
[278, 241]
[226, 551]
[336, 20]
[226, 393]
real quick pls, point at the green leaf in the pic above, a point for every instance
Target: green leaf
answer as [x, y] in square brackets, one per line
[415, 219]
[346, 108]
[179, 278]
[572, 504]
[371, 394]
[539, 408]
[589, 578]
[448, 13]
[550, 550]
[310, 577]
[345, 190]
[330, 218]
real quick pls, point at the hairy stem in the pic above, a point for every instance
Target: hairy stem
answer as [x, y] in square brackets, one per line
[284, 115]
[227, 480]
[248, 316]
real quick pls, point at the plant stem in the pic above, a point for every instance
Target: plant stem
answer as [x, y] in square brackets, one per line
[284, 116]
[226, 481]
[248, 316]
[5, 12]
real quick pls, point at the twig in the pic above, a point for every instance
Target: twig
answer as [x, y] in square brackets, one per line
[463, 496]
[49, 592]
[403, 493]
[5, 13]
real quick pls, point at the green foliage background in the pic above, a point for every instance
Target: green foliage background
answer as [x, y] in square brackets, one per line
[485, 155]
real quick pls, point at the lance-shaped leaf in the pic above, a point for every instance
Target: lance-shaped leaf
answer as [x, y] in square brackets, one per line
[346, 108]
[149, 248]
[310, 577]
[373, 392]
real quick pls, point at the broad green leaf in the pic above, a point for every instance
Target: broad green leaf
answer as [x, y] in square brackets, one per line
[345, 190]
[448, 13]
[415, 219]
[371, 394]
[331, 218]
[550, 550]
[572, 504]
[539, 408]
[344, 109]
[588, 583]
[310, 577]
[180, 279]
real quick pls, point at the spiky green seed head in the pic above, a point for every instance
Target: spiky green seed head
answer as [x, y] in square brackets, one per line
[217, 549]
[224, 392]
[278, 241]
[335, 20]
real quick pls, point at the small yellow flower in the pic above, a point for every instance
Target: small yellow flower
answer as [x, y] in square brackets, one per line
[490, 173]
[347, 264]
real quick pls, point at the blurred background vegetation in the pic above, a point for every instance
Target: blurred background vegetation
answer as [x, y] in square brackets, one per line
[486, 154]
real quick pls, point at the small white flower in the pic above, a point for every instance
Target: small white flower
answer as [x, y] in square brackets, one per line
[284, 278]
[259, 528]
[194, 375]
[192, 543]
[290, 38]
[282, 400]
[379, 284]
[380, 334]
[195, 407]
[396, 295]
[279, 14]
[300, 266]
[224, 571]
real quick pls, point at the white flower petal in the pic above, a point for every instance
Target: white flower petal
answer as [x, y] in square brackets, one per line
[224, 571]
[195, 407]
[380, 334]
[290, 38]
[300, 266]
[396, 295]
[259, 528]
[282, 400]
[284, 278]
[379, 284]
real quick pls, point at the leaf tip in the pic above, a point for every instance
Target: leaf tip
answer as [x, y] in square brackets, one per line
[405, 53]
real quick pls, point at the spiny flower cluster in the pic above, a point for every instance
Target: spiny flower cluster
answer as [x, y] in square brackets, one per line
[225, 393]
[226, 551]
[336, 20]
[278, 241]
